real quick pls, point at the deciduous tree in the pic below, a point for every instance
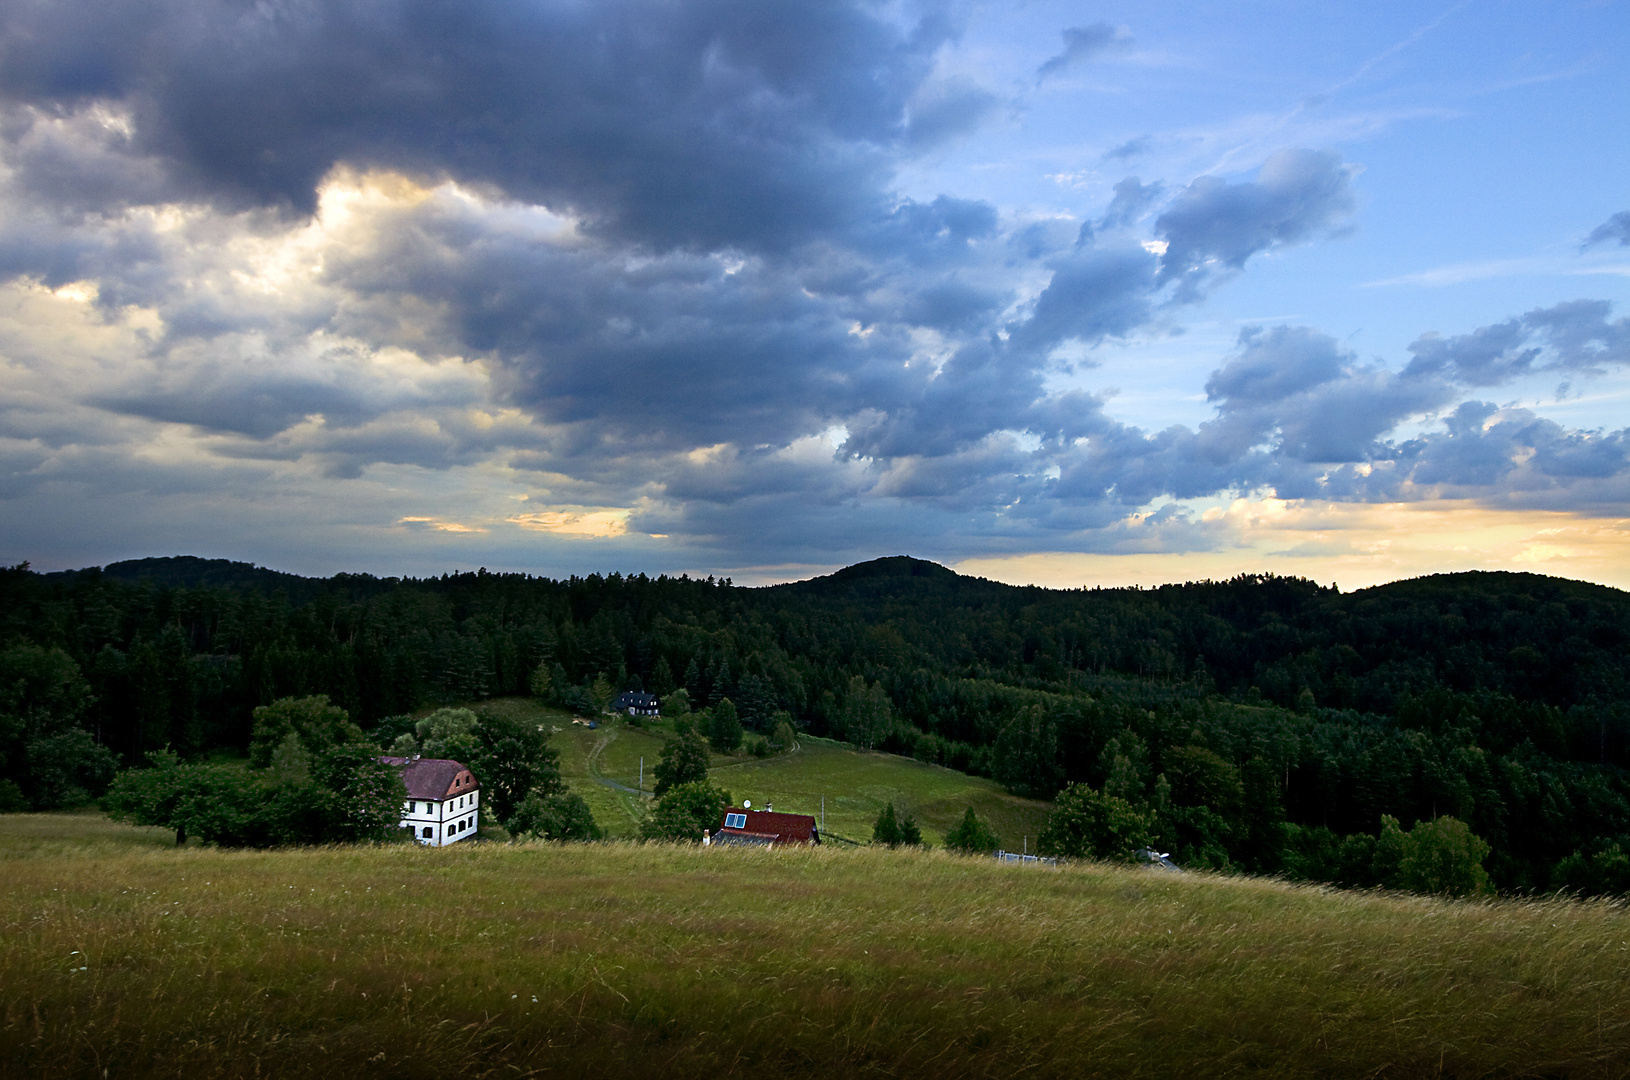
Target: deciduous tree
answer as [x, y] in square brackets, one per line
[1085, 823]
[683, 761]
[685, 810]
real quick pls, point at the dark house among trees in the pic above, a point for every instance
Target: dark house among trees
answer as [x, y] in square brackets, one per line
[634, 703]
[762, 828]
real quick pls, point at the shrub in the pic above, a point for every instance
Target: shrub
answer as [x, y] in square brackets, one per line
[972, 836]
[785, 736]
[1606, 871]
[558, 816]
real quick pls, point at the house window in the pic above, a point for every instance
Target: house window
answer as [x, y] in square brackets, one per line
[735, 821]
[428, 831]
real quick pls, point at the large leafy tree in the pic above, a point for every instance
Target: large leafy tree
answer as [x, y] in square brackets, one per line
[1087, 824]
[318, 724]
[68, 769]
[1443, 856]
[684, 760]
[218, 804]
[868, 714]
[366, 795]
[150, 796]
[1026, 756]
[45, 756]
[514, 762]
[684, 811]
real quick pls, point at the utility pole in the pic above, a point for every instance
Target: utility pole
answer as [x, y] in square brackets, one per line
[642, 774]
[823, 813]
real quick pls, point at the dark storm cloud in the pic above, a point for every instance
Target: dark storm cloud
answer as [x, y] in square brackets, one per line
[1214, 226]
[259, 408]
[1108, 286]
[722, 123]
[1082, 43]
[1614, 228]
[671, 354]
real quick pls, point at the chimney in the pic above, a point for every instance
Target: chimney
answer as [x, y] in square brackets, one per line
[769, 808]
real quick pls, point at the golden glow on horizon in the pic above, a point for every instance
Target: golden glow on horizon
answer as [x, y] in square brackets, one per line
[1353, 545]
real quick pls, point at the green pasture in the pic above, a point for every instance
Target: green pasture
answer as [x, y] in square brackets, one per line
[855, 786]
[122, 956]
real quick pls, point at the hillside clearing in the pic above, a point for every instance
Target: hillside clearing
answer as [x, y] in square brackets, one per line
[603, 766]
[621, 959]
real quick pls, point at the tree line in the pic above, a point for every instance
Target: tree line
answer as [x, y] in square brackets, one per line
[1263, 723]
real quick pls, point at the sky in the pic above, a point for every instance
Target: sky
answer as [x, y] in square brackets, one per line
[1057, 293]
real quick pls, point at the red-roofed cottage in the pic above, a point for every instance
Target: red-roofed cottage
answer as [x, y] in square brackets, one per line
[764, 828]
[444, 799]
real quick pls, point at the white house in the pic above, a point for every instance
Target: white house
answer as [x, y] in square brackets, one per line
[444, 799]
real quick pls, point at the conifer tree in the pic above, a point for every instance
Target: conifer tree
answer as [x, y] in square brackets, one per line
[972, 836]
[886, 830]
[724, 731]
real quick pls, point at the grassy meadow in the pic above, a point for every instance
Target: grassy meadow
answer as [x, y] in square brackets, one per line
[603, 766]
[123, 956]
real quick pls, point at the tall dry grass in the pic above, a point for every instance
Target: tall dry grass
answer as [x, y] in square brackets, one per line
[621, 960]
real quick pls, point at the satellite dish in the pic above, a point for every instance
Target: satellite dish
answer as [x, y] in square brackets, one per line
[747, 804]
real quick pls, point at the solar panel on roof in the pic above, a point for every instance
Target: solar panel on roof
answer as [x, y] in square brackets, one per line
[735, 821]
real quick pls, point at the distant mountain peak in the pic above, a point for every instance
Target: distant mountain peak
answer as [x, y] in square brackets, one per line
[895, 566]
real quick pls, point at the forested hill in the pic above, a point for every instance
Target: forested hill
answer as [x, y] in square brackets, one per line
[1499, 698]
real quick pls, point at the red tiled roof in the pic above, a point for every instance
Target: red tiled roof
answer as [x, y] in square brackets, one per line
[433, 778]
[785, 828]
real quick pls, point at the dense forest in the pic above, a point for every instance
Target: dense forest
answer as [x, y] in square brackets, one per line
[1270, 724]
